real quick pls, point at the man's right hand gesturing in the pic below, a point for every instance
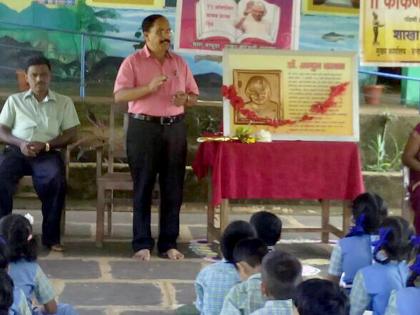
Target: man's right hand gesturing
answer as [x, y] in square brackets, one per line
[156, 82]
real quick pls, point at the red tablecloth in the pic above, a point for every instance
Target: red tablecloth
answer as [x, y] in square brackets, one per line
[281, 170]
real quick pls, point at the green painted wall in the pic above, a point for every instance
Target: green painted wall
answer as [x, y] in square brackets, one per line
[410, 90]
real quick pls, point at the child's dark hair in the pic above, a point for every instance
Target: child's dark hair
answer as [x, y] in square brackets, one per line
[394, 238]
[251, 251]
[4, 254]
[268, 227]
[234, 232]
[16, 229]
[320, 297]
[6, 292]
[373, 208]
[281, 272]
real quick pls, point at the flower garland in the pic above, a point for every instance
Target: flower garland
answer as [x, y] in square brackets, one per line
[238, 104]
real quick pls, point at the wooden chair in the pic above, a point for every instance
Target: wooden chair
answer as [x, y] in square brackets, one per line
[111, 180]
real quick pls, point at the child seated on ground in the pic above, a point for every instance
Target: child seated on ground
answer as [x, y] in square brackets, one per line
[321, 297]
[20, 305]
[373, 284]
[23, 268]
[214, 281]
[6, 293]
[406, 301]
[355, 250]
[268, 227]
[280, 274]
[246, 297]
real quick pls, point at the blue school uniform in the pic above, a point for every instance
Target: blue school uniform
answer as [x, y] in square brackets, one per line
[374, 284]
[29, 277]
[20, 305]
[245, 297]
[404, 302]
[276, 307]
[350, 255]
[212, 285]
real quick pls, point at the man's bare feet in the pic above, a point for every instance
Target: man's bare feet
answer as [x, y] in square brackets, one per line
[142, 255]
[174, 254]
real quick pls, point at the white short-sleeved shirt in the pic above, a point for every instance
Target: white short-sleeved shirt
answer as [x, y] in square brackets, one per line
[31, 120]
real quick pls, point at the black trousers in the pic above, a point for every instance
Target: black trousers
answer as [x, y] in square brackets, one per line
[48, 176]
[154, 149]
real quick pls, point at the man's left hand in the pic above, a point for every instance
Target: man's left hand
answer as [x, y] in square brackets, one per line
[180, 98]
[37, 146]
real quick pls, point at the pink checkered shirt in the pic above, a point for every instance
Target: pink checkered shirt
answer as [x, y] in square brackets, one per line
[141, 67]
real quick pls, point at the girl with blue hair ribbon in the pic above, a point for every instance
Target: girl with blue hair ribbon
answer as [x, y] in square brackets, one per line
[406, 301]
[373, 284]
[354, 251]
[24, 269]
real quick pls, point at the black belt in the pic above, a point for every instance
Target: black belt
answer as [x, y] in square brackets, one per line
[162, 120]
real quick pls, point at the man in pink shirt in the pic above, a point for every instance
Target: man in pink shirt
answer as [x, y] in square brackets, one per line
[158, 85]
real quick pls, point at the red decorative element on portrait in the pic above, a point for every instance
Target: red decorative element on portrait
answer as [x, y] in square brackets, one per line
[237, 103]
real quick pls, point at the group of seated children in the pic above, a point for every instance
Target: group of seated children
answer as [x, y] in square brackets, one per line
[372, 261]
[369, 269]
[255, 277]
[21, 277]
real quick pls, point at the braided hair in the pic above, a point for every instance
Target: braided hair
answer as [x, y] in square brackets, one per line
[394, 240]
[368, 210]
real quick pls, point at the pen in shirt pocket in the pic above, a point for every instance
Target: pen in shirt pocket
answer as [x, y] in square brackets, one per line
[173, 73]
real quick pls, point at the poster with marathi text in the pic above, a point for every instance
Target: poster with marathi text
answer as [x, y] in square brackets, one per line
[390, 33]
[207, 26]
[296, 95]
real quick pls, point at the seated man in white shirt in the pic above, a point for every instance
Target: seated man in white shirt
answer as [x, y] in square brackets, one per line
[33, 124]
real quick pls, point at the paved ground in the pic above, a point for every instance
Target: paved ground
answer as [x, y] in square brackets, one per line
[107, 281]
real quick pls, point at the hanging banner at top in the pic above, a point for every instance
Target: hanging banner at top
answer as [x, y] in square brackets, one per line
[133, 4]
[207, 26]
[390, 32]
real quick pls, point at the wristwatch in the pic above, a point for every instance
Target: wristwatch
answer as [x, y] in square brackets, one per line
[47, 147]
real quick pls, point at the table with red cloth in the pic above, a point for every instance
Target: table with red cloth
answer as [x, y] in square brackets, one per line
[279, 170]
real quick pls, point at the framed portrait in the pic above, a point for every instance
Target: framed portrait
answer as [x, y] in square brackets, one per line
[261, 91]
[331, 7]
[295, 95]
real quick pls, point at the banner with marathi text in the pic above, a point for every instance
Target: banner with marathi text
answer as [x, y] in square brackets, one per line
[207, 26]
[296, 95]
[390, 32]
